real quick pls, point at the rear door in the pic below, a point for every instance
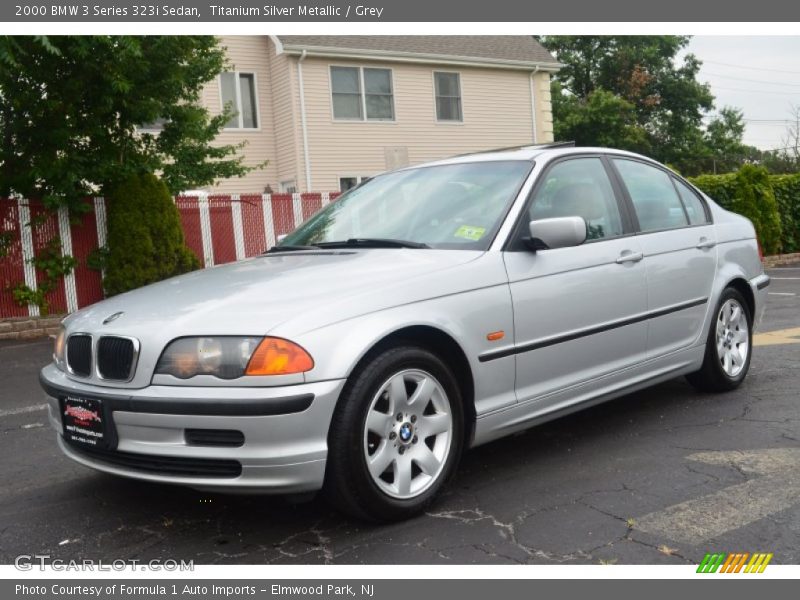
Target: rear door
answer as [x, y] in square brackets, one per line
[575, 309]
[680, 255]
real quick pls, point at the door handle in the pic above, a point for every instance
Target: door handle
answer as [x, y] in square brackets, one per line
[705, 244]
[628, 256]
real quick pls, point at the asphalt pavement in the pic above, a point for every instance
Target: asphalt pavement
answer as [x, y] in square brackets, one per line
[659, 476]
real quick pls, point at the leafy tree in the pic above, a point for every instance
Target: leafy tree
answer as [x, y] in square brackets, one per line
[145, 237]
[71, 108]
[723, 135]
[779, 161]
[600, 119]
[664, 98]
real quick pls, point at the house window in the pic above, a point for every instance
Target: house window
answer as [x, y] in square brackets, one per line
[378, 94]
[288, 187]
[362, 92]
[448, 96]
[238, 91]
[154, 127]
[351, 181]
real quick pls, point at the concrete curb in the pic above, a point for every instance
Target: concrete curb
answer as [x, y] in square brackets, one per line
[29, 328]
[781, 260]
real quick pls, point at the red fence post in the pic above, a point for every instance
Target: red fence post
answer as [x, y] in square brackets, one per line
[88, 281]
[189, 211]
[12, 267]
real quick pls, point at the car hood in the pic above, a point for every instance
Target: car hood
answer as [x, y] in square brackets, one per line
[253, 296]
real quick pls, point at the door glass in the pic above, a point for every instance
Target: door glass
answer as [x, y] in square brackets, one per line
[693, 204]
[579, 188]
[654, 198]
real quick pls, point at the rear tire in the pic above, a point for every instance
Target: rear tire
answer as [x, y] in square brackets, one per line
[396, 436]
[728, 346]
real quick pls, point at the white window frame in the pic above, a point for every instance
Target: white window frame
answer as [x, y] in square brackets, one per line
[362, 93]
[359, 179]
[460, 97]
[286, 184]
[238, 106]
[151, 130]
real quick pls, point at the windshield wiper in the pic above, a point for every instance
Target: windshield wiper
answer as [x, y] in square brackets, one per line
[372, 243]
[290, 248]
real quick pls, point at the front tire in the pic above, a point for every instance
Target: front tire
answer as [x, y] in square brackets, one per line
[396, 435]
[728, 347]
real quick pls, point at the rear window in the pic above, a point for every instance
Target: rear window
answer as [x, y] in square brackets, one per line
[693, 205]
[654, 198]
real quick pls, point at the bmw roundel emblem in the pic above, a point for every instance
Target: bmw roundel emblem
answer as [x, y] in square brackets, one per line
[405, 432]
[113, 317]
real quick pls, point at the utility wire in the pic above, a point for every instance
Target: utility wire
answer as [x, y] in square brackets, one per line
[707, 73]
[724, 64]
[768, 92]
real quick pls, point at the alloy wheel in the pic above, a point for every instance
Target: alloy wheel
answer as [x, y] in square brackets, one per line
[733, 337]
[407, 434]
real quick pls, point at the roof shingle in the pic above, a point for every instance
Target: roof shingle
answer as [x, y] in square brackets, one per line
[518, 48]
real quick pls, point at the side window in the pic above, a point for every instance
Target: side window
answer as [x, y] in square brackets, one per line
[654, 198]
[693, 205]
[238, 91]
[447, 89]
[579, 188]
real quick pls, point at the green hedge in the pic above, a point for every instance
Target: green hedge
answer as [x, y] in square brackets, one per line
[722, 188]
[771, 202]
[787, 193]
[145, 237]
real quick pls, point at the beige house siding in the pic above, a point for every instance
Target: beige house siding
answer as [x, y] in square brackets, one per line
[544, 107]
[496, 109]
[285, 98]
[499, 106]
[249, 54]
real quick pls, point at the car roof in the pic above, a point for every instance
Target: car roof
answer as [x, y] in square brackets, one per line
[530, 153]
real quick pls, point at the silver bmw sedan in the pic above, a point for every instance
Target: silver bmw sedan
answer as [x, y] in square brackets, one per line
[428, 310]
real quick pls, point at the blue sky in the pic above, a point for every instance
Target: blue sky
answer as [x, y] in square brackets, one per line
[758, 74]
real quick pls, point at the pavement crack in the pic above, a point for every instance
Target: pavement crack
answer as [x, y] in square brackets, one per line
[320, 545]
[508, 532]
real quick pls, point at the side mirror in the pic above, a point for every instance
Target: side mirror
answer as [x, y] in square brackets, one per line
[559, 232]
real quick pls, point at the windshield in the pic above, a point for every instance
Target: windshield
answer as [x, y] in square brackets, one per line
[458, 206]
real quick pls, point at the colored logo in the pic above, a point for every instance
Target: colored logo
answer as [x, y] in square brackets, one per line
[737, 562]
[405, 432]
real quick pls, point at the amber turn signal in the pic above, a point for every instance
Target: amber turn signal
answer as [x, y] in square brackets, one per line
[276, 356]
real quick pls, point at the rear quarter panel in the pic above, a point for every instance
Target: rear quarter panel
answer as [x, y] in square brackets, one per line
[738, 257]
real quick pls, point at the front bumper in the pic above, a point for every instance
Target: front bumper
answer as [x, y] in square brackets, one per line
[285, 433]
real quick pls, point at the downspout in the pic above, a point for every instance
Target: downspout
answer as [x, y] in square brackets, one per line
[533, 104]
[303, 125]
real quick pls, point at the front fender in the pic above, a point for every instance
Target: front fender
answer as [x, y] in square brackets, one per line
[466, 317]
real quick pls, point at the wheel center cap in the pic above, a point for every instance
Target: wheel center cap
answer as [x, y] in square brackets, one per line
[406, 432]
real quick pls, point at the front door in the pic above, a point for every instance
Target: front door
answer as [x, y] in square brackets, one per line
[576, 309]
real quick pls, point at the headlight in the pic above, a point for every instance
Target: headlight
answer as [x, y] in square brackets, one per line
[59, 348]
[231, 357]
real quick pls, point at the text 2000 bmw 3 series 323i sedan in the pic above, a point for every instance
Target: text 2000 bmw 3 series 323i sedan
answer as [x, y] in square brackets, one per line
[426, 311]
